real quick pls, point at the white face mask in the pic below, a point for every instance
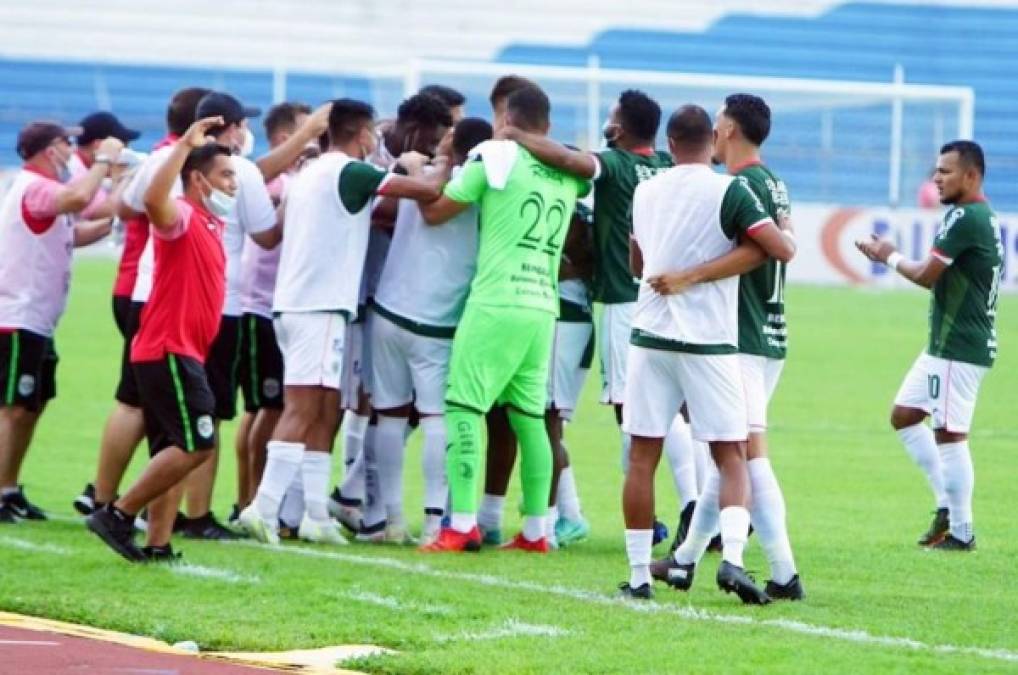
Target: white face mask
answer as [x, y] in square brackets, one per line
[219, 203]
[61, 166]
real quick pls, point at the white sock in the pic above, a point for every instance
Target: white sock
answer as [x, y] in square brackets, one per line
[533, 527]
[373, 514]
[704, 463]
[638, 549]
[704, 524]
[678, 447]
[354, 429]
[489, 516]
[316, 470]
[959, 480]
[464, 522]
[734, 532]
[922, 447]
[282, 464]
[436, 489]
[768, 516]
[549, 523]
[292, 508]
[568, 498]
[389, 439]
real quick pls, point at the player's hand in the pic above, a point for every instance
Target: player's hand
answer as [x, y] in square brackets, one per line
[413, 161]
[111, 148]
[197, 134]
[671, 283]
[508, 133]
[876, 248]
[317, 122]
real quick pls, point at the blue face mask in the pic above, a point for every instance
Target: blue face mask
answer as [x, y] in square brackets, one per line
[220, 203]
[62, 168]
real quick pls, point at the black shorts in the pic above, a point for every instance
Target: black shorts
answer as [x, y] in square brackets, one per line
[261, 364]
[177, 403]
[127, 315]
[221, 366]
[28, 369]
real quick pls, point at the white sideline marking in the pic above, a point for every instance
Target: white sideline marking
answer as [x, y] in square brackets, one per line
[394, 603]
[24, 545]
[509, 628]
[689, 613]
[203, 572]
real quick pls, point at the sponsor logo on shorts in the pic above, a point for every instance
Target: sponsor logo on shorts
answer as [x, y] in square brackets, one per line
[270, 387]
[26, 385]
[205, 426]
[466, 471]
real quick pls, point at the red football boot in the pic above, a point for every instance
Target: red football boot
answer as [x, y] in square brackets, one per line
[454, 541]
[521, 543]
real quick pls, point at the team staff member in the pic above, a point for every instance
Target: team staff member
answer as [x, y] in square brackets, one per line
[37, 235]
[178, 325]
[94, 128]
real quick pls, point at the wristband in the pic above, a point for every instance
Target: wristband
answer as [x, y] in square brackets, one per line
[894, 259]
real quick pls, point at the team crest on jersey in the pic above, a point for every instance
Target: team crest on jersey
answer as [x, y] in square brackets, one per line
[270, 388]
[26, 385]
[949, 220]
[205, 426]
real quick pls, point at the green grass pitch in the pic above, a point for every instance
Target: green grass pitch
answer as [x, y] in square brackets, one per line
[856, 505]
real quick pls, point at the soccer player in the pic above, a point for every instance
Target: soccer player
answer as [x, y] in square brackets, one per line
[525, 209]
[178, 326]
[964, 272]
[38, 231]
[124, 428]
[741, 127]
[684, 348]
[328, 219]
[452, 98]
[419, 302]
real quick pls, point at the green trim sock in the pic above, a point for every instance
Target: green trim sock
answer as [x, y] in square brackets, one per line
[535, 461]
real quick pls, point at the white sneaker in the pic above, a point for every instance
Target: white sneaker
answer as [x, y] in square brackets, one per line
[430, 534]
[255, 525]
[348, 516]
[397, 534]
[320, 531]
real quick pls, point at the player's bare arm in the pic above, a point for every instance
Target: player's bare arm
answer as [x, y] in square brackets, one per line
[90, 231]
[635, 258]
[576, 162]
[159, 204]
[745, 257]
[282, 157]
[920, 272]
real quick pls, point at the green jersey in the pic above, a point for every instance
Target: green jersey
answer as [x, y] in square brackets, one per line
[762, 329]
[964, 303]
[620, 172]
[523, 229]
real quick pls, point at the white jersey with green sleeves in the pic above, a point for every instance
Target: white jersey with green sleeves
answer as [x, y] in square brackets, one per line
[525, 211]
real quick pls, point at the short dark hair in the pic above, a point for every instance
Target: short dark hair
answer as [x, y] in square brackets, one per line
[469, 133]
[181, 110]
[448, 95]
[969, 153]
[283, 117]
[201, 159]
[346, 119]
[640, 114]
[424, 110]
[689, 127]
[506, 85]
[752, 114]
[530, 107]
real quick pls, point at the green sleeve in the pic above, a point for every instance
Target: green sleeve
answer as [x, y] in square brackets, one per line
[469, 185]
[741, 209]
[358, 183]
[955, 234]
[583, 187]
[607, 160]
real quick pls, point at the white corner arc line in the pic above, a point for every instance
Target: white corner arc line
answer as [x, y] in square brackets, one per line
[857, 636]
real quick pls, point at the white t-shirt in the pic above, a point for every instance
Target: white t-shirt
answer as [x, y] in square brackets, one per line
[254, 213]
[328, 217]
[134, 197]
[682, 217]
[426, 277]
[258, 266]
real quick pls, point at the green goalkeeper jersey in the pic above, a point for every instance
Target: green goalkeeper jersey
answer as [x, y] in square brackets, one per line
[964, 303]
[523, 228]
[762, 329]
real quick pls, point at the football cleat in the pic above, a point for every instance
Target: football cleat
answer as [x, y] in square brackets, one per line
[346, 511]
[233, 520]
[521, 543]
[372, 534]
[627, 592]
[7, 515]
[288, 532]
[939, 528]
[208, 528]
[715, 545]
[85, 502]
[161, 554]
[22, 508]
[492, 537]
[569, 532]
[660, 532]
[675, 574]
[321, 531]
[454, 541]
[257, 527]
[952, 543]
[732, 579]
[395, 534]
[791, 591]
[682, 529]
[118, 534]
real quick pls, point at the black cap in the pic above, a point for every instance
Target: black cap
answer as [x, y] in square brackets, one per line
[37, 136]
[100, 125]
[218, 103]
